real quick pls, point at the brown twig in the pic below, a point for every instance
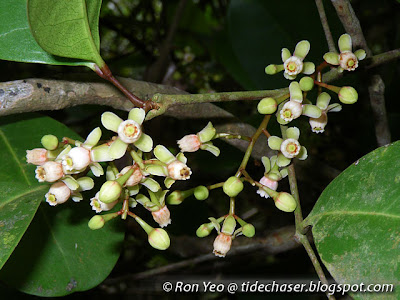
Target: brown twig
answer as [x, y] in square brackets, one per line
[325, 26]
[376, 87]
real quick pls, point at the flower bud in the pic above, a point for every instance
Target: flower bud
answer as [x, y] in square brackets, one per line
[267, 106]
[222, 244]
[229, 225]
[50, 171]
[271, 69]
[175, 198]
[285, 202]
[37, 156]
[189, 143]
[248, 230]
[136, 176]
[110, 191]
[58, 194]
[201, 192]
[162, 216]
[348, 95]
[50, 142]
[233, 186]
[159, 239]
[204, 229]
[306, 84]
[99, 206]
[96, 222]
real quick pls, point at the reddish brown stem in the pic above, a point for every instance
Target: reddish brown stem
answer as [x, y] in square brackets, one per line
[105, 73]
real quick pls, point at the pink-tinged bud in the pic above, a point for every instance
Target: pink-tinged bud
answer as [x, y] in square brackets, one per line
[129, 131]
[285, 202]
[99, 206]
[162, 216]
[109, 192]
[76, 159]
[158, 238]
[50, 171]
[178, 170]
[58, 194]
[136, 176]
[189, 143]
[348, 61]
[272, 184]
[37, 156]
[222, 244]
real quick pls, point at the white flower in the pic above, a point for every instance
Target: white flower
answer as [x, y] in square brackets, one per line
[177, 170]
[50, 171]
[77, 158]
[290, 148]
[162, 216]
[37, 156]
[189, 143]
[272, 184]
[58, 193]
[99, 206]
[222, 244]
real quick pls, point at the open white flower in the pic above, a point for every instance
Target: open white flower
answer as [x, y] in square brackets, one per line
[129, 132]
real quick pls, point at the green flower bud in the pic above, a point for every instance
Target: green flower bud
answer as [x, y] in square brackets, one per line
[159, 239]
[50, 142]
[204, 229]
[267, 106]
[306, 84]
[175, 198]
[285, 202]
[110, 191]
[271, 69]
[248, 230]
[229, 225]
[96, 222]
[201, 192]
[233, 186]
[348, 95]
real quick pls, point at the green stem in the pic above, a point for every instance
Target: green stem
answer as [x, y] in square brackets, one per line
[232, 206]
[137, 159]
[215, 186]
[232, 136]
[250, 147]
[332, 88]
[298, 216]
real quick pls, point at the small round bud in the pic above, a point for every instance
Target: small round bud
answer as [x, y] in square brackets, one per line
[201, 192]
[96, 222]
[271, 70]
[267, 106]
[159, 239]
[306, 84]
[204, 229]
[229, 225]
[285, 202]
[248, 230]
[233, 186]
[50, 142]
[348, 95]
[175, 198]
[110, 191]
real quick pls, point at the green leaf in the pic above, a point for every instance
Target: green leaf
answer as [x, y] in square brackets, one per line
[356, 222]
[17, 42]
[67, 28]
[58, 254]
[21, 193]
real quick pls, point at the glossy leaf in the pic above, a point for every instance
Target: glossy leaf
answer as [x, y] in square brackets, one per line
[356, 222]
[63, 28]
[57, 254]
[60, 255]
[17, 42]
[21, 193]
